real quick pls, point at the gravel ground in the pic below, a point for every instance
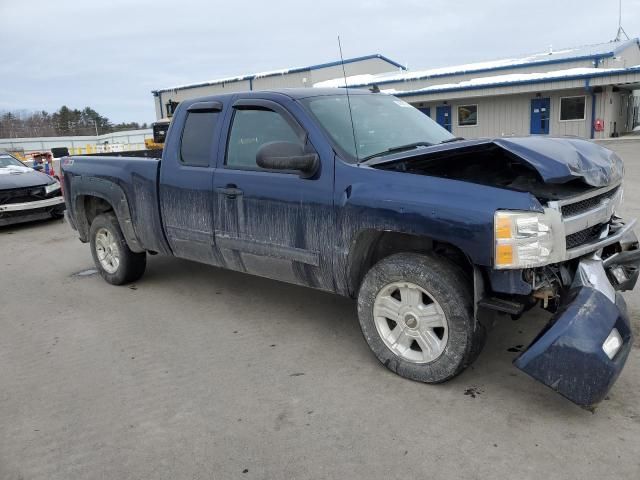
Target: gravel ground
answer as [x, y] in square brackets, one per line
[196, 372]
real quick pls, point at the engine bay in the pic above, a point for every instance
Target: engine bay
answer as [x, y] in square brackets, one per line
[486, 164]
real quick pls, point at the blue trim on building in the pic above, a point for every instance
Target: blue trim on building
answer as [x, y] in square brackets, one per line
[520, 82]
[292, 70]
[596, 58]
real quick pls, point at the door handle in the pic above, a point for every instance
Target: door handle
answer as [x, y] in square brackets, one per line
[230, 191]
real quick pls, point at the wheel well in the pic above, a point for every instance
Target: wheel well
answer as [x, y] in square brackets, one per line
[94, 206]
[371, 246]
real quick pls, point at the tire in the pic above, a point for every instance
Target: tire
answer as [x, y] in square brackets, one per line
[438, 336]
[57, 215]
[108, 242]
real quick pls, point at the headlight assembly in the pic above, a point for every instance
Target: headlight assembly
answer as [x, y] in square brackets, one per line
[527, 239]
[52, 188]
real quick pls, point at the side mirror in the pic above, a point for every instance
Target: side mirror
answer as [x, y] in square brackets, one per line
[38, 167]
[287, 156]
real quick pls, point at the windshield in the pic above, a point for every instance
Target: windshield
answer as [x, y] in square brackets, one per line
[381, 123]
[8, 161]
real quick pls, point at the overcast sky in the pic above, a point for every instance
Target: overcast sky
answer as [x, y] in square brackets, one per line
[110, 54]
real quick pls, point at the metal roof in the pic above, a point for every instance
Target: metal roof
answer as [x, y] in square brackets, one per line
[587, 52]
[518, 79]
[283, 71]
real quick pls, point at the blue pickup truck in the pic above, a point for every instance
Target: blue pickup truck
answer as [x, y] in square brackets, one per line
[359, 193]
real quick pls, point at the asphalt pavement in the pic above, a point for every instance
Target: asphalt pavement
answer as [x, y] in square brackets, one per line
[200, 373]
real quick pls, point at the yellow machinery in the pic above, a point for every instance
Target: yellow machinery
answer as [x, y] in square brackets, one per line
[159, 135]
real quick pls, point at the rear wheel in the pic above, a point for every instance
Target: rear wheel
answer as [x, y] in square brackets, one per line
[115, 261]
[416, 313]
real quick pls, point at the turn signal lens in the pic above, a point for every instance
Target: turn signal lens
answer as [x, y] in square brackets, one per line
[504, 254]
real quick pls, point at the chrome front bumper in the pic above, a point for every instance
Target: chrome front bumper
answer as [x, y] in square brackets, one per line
[615, 237]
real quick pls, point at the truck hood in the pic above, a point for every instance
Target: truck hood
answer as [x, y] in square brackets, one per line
[560, 160]
[22, 177]
[557, 160]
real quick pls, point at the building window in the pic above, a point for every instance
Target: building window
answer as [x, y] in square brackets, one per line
[196, 146]
[467, 115]
[572, 108]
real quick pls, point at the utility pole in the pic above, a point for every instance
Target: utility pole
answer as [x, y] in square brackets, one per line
[621, 33]
[96, 125]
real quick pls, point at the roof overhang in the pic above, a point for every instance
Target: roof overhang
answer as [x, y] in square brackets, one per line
[581, 54]
[629, 77]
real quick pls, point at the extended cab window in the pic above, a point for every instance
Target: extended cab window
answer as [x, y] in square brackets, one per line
[197, 138]
[251, 129]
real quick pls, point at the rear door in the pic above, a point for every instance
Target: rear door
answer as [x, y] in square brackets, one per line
[272, 223]
[186, 179]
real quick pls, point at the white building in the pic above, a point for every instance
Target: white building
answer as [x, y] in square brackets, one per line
[584, 91]
[167, 99]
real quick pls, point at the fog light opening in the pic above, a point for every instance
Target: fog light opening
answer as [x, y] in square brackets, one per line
[619, 274]
[612, 344]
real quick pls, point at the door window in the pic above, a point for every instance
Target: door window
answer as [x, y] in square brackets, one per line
[251, 129]
[197, 138]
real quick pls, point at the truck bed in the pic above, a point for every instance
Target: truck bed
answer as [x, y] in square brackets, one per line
[136, 177]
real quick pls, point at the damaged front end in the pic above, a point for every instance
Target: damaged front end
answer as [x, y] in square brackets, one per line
[583, 348]
[571, 254]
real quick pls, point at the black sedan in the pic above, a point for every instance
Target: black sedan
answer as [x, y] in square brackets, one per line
[27, 194]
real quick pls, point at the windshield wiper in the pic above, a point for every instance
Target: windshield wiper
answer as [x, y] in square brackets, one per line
[400, 148]
[454, 139]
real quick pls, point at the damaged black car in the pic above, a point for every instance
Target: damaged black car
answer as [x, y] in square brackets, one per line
[27, 194]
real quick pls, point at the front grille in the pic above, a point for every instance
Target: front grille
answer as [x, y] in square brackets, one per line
[584, 236]
[21, 195]
[582, 206]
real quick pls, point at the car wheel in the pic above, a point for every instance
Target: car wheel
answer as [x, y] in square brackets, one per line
[416, 314]
[57, 215]
[115, 261]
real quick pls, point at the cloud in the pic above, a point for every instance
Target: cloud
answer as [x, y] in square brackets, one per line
[110, 55]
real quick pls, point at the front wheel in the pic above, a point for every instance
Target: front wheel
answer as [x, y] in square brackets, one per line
[416, 314]
[115, 261]
[57, 214]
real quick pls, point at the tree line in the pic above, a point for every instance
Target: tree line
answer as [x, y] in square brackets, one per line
[63, 122]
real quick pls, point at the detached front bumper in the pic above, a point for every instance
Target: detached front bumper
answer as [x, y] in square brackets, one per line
[583, 349]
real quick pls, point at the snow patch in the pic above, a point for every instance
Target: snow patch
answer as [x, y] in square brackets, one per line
[557, 55]
[498, 79]
[520, 77]
[14, 169]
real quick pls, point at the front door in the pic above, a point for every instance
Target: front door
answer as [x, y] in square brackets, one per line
[272, 223]
[443, 116]
[540, 115]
